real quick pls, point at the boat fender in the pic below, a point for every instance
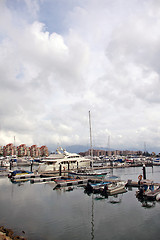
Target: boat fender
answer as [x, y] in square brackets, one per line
[140, 177]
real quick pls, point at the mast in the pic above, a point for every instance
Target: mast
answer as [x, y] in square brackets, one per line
[91, 139]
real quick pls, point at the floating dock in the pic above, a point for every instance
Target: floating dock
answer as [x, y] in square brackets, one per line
[131, 183]
[47, 179]
[71, 183]
[26, 176]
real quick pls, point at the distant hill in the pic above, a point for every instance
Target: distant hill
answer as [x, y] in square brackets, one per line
[77, 148]
[81, 148]
[84, 148]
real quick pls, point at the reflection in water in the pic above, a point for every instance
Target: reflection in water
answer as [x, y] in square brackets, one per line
[63, 213]
[92, 221]
[19, 181]
[115, 199]
[145, 203]
[99, 198]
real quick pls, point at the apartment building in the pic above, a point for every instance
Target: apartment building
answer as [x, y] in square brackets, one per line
[9, 150]
[44, 151]
[99, 153]
[23, 150]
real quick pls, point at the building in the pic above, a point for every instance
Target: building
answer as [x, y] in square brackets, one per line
[44, 151]
[8, 150]
[34, 151]
[23, 150]
[99, 153]
[1, 151]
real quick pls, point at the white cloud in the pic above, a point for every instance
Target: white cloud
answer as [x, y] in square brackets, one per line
[33, 6]
[106, 61]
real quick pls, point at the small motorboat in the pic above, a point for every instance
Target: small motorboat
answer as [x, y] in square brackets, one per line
[115, 187]
[96, 187]
[15, 173]
[148, 191]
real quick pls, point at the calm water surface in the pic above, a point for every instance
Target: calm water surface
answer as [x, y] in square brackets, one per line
[47, 214]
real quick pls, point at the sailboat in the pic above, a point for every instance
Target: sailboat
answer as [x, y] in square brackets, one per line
[88, 172]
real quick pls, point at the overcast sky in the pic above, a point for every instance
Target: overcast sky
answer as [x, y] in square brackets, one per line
[61, 58]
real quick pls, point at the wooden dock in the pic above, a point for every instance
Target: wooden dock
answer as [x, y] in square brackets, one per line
[26, 176]
[72, 183]
[47, 179]
[131, 183]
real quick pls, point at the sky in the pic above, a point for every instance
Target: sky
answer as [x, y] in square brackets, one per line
[60, 59]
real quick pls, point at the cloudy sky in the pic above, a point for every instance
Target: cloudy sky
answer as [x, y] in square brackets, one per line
[61, 58]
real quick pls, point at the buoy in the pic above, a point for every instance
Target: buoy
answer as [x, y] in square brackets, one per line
[140, 177]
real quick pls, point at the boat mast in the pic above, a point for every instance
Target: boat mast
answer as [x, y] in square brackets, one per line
[90, 139]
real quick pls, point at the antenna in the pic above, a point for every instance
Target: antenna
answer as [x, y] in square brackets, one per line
[144, 147]
[108, 142]
[91, 138]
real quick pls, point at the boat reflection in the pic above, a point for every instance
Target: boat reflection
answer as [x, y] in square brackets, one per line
[92, 219]
[115, 199]
[147, 204]
[112, 199]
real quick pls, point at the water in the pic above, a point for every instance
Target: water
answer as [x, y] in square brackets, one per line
[47, 214]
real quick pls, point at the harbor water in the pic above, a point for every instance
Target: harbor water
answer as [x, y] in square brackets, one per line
[69, 213]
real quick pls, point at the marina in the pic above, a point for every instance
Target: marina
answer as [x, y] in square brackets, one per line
[56, 207]
[79, 129]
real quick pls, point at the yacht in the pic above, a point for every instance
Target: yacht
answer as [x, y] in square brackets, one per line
[64, 159]
[156, 161]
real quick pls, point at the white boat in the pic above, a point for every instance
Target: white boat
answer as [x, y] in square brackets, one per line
[116, 187]
[5, 161]
[156, 161]
[63, 159]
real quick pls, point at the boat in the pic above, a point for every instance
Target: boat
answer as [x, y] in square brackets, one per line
[20, 172]
[89, 173]
[153, 194]
[96, 187]
[148, 190]
[4, 163]
[156, 161]
[115, 187]
[13, 158]
[64, 160]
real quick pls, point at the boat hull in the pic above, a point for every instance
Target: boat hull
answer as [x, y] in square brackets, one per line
[87, 174]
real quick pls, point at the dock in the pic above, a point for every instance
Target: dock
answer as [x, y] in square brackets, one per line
[47, 179]
[72, 183]
[131, 183]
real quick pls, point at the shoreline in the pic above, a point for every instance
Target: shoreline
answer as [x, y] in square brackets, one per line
[8, 234]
